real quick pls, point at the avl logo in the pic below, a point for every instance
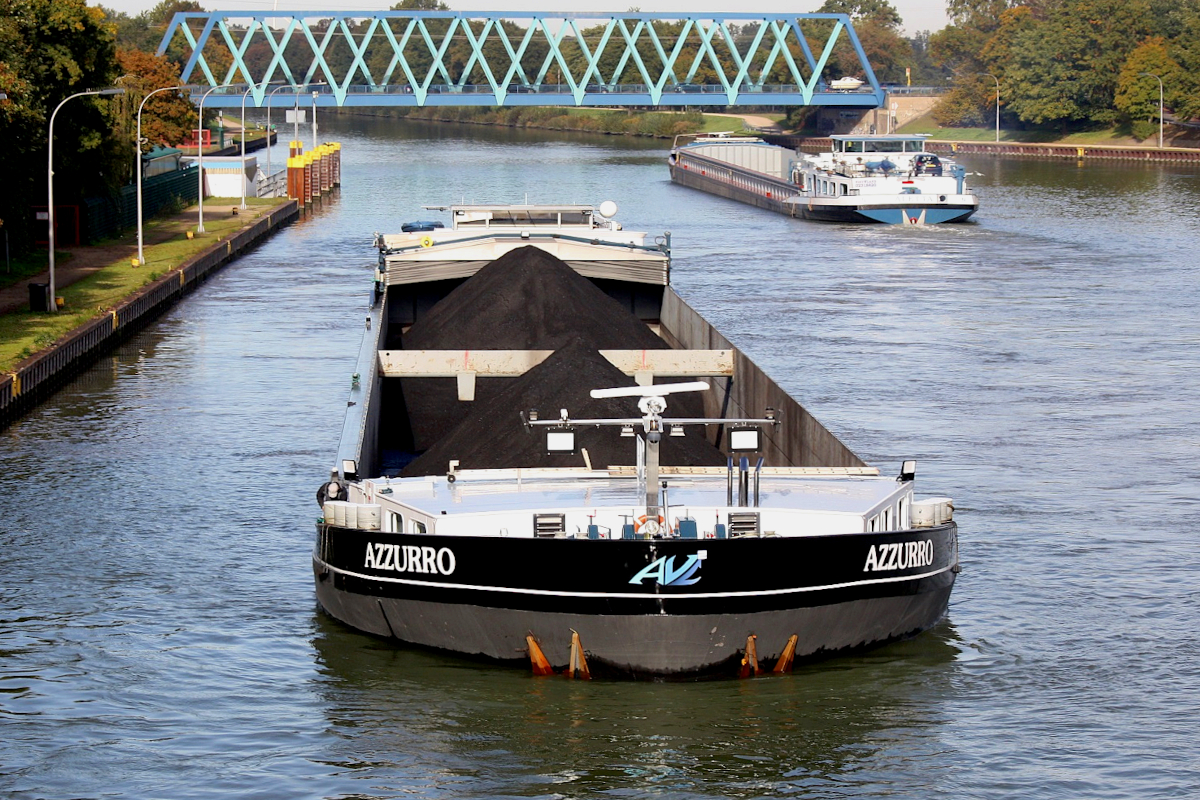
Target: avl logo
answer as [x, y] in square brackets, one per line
[665, 573]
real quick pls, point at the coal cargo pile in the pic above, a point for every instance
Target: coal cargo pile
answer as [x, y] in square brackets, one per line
[493, 436]
[525, 300]
[528, 300]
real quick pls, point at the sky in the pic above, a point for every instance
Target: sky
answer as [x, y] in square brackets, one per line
[918, 15]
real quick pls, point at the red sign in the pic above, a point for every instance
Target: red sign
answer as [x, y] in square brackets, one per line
[205, 136]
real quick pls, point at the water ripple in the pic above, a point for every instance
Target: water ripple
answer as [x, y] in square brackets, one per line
[158, 632]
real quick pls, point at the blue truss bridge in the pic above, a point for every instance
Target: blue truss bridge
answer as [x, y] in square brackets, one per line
[457, 58]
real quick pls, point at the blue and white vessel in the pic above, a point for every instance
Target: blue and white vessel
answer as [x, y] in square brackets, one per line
[891, 178]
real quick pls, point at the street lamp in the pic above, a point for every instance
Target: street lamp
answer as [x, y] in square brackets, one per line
[7, 263]
[314, 94]
[1160, 105]
[137, 149]
[997, 80]
[50, 178]
[245, 94]
[272, 94]
[200, 153]
[296, 115]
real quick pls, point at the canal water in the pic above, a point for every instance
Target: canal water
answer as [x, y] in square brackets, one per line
[158, 630]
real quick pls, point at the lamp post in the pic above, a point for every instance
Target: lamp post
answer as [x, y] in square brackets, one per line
[296, 112]
[296, 115]
[245, 94]
[997, 80]
[7, 263]
[1160, 105]
[200, 154]
[272, 94]
[137, 150]
[314, 95]
[50, 178]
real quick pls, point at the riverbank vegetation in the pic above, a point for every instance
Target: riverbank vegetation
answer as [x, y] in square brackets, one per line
[625, 122]
[1120, 135]
[1069, 65]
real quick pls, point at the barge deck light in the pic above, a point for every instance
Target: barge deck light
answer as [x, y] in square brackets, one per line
[561, 442]
[745, 440]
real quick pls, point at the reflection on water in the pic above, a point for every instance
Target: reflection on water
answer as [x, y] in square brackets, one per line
[475, 731]
[158, 635]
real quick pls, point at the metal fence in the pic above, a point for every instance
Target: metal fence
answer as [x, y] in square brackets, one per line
[271, 185]
[105, 217]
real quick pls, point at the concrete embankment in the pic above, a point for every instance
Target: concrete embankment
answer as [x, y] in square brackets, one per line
[1067, 151]
[815, 144]
[40, 375]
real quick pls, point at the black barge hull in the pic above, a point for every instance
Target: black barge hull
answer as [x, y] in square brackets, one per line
[661, 607]
[483, 596]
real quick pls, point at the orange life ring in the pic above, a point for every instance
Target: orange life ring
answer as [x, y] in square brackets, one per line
[642, 521]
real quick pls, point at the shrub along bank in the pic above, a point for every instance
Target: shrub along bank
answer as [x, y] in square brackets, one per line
[661, 124]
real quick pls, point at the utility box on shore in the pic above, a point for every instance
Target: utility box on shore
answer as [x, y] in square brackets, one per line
[39, 297]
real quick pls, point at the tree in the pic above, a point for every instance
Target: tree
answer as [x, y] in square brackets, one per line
[960, 107]
[1137, 95]
[145, 31]
[967, 48]
[52, 49]
[880, 12]
[1064, 69]
[887, 51]
[1185, 50]
[877, 24]
[133, 33]
[167, 117]
[21, 124]
[157, 19]
[925, 71]
[1059, 62]
[420, 5]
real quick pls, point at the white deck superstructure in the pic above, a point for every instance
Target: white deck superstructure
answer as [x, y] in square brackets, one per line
[792, 502]
[870, 174]
[581, 235]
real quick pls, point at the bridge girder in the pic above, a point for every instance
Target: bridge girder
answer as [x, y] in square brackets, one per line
[442, 58]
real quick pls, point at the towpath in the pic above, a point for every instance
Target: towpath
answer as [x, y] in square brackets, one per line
[764, 124]
[85, 260]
